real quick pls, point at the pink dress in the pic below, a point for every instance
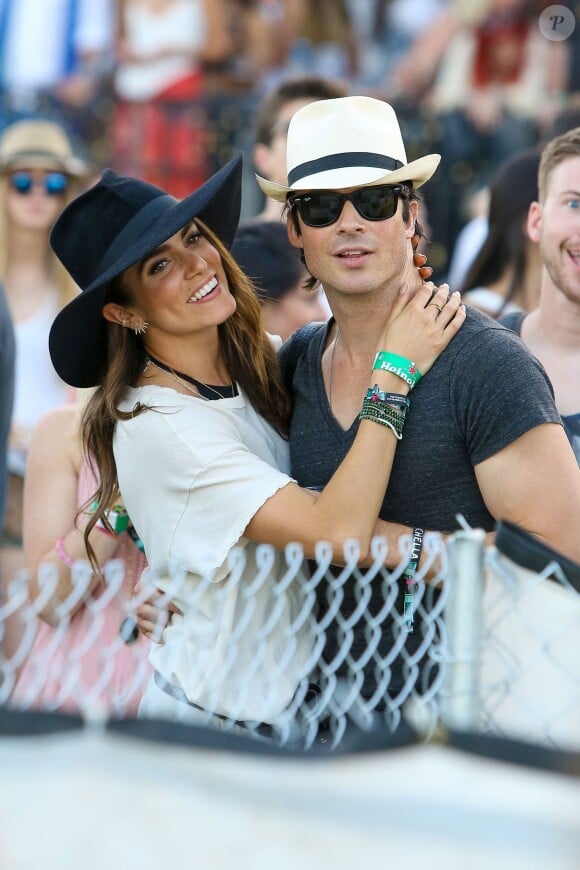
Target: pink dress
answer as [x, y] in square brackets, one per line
[83, 664]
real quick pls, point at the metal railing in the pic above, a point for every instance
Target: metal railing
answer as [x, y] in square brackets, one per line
[495, 648]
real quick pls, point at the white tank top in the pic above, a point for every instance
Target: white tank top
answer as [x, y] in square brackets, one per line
[37, 386]
[180, 26]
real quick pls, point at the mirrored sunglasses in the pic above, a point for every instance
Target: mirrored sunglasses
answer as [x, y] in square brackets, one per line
[321, 208]
[54, 183]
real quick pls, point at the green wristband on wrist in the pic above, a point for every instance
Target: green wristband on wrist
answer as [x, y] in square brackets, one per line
[397, 365]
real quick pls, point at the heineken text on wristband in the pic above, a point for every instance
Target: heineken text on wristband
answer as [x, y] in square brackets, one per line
[398, 365]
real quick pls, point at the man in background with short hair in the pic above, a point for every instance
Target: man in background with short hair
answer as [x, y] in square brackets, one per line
[552, 330]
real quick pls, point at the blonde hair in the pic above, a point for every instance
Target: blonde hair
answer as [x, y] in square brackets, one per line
[561, 148]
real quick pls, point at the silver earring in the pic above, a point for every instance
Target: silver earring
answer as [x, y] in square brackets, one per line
[142, 329]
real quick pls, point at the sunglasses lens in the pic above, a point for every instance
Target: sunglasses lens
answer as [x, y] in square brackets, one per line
[372, 203]
[376, 203]
[320, 209]
[21, 182]
[55, 183]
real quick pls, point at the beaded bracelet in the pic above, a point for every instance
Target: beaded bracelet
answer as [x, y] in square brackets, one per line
[375, 404]
[385, 416]
[409, 578]
[62, 553]
[376, 409]
[393, 405]
[398, 365]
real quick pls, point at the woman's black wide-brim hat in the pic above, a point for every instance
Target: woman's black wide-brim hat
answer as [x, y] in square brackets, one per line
[111, 227]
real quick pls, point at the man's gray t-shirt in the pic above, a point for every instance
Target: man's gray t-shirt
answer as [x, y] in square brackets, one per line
[482, 393]
[570, 422]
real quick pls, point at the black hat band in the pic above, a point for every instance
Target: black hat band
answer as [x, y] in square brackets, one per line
[368, 159]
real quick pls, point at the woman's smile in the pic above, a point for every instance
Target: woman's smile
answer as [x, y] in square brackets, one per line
[209, 291]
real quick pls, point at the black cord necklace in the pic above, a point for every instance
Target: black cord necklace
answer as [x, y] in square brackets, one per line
[205, 390]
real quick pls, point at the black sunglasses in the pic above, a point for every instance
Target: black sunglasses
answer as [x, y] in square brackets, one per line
[321, 208]
[54, 183]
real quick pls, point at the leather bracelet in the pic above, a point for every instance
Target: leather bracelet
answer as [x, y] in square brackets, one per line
[396, 399]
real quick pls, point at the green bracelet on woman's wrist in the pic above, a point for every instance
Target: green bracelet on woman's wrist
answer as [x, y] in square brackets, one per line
[397, 365]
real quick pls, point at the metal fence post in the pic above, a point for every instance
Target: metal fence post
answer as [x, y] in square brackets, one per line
[460, 701]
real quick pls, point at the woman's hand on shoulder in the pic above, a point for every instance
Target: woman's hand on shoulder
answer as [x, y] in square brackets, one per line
[422, 324]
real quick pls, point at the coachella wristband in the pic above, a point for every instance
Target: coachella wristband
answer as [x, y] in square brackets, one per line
[398, 365]
[409, 578]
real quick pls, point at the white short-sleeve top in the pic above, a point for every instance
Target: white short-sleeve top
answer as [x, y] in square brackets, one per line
[192, 474]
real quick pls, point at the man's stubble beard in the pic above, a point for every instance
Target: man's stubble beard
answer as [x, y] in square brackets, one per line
[556, 272]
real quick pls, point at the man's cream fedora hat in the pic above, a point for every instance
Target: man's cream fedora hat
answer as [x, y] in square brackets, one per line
[347, 142]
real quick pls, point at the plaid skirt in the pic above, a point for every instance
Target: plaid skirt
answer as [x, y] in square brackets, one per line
[164, 141]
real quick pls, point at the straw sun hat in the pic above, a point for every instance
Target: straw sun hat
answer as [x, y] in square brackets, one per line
[347, 142]
[38, 144]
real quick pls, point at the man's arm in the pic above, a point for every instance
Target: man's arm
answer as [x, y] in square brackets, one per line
[534, 483]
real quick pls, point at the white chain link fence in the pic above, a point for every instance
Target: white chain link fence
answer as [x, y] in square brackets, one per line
[495, 648]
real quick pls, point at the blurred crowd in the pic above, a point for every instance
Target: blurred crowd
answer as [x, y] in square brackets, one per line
[169, 89]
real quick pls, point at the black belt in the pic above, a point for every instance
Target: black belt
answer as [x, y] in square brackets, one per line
[262, 728]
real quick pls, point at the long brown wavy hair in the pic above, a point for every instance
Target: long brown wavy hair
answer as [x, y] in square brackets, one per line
[249, 356]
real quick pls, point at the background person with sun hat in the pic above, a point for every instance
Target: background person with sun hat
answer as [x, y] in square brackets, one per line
[39, 175]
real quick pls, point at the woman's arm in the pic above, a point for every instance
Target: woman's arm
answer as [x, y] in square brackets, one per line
[50, 507]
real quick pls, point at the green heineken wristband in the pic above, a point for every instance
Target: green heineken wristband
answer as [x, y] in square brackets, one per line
[398, 365]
